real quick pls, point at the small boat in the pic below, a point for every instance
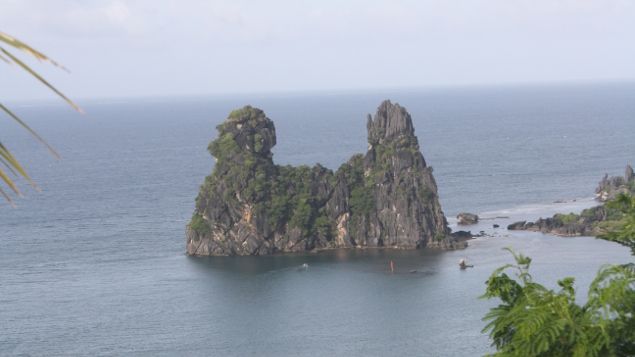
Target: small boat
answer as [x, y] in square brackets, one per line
[463, 264]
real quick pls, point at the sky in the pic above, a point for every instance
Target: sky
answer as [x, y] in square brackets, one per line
[146, 48]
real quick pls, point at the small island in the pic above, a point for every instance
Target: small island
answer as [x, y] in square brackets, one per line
[386, 198]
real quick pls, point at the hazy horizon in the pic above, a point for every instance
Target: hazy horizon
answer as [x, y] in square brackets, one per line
[118, 49]
[391, 93]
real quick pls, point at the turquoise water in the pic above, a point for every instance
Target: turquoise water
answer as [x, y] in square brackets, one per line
[95, 264]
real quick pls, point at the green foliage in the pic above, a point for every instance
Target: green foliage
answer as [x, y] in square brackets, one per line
[588, 213]
[566, 218]
[291, 201]
[223, 147]
[199, 224]
[384, 152]
[535, 321]
[425, 194]
[7, 46]
[301, 217]
[353, 170]
[258, 142]
[323, 226]
[246, 112]
[532, 320]
[623, 231]
[362, 201]
[279, 210]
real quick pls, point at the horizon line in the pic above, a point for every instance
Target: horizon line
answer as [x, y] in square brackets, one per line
[334, 91]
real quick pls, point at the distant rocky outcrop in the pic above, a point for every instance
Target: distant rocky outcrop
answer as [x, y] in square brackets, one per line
[465, 218]
[610, 187]
[590, 222]
[250, 206]
[568, 225]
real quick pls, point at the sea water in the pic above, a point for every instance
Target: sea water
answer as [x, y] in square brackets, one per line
[94, 264]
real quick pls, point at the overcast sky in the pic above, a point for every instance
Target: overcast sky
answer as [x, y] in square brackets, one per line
[118, 48]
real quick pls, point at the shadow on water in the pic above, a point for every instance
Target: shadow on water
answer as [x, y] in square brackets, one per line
[422, 262]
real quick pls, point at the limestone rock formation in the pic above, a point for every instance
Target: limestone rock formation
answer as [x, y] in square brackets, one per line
[610, 187]
[250, 206]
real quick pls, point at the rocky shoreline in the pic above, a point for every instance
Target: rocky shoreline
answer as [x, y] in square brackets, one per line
[385, 198]
[592, 221]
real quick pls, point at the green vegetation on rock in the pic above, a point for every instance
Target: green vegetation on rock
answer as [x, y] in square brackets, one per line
[223, 147]
[362, 201]
[566, 218]
[199, 224]
[623, 230]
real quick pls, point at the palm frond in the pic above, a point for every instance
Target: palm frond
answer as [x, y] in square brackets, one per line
[24, 66]
[6, 155]
[15, 43]
[7, 159]
[28, 128]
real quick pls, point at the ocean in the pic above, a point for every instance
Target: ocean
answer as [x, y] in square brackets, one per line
[95, 263]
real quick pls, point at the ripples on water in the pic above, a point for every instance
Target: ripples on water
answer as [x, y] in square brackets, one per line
[94, 264]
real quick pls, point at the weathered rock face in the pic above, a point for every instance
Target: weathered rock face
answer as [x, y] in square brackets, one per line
[250, 206]
[610, 187]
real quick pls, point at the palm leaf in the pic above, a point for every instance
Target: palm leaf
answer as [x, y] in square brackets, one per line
[7, 197]
[40, 78]
[15, 43]
[28, 128]
[9, 183]
[6, 157]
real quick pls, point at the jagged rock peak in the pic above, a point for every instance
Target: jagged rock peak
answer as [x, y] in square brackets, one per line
[391, 123]
[629, 176]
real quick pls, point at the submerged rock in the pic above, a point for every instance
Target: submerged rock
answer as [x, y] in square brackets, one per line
[462, 234]
[517, 226]
[250, 206]
[465, 218]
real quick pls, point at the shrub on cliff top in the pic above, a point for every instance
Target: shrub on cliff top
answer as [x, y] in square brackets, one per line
[246, 112]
